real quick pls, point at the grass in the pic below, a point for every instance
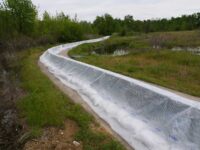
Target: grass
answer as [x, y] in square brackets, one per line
[44, 105]
[175, 39]
[176, 70]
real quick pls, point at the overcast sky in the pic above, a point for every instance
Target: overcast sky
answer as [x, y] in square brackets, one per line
[140, 9]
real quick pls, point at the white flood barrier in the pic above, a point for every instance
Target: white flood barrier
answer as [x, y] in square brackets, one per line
[147, 117]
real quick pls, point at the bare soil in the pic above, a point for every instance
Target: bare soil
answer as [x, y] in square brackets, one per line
[56, 139]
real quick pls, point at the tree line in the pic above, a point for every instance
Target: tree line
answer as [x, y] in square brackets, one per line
[19, 20]
[107, 25]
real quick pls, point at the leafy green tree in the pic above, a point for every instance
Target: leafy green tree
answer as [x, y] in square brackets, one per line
[23, 13]
[105, 25]
[7, 23]
[46, 16]
[129, 22]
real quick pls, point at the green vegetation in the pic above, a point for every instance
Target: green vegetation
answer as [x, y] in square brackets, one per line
[17, 16]
[21, 28]
[44, 105]
[149, 59]
[106, 24]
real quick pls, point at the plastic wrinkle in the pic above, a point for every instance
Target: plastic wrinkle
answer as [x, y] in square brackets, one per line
[147, 117]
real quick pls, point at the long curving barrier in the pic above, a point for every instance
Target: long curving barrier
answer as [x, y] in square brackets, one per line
[147, 117]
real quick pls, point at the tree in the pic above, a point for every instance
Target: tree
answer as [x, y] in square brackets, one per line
[129, 22]
[46, 16]
[23, 13]
[105, 25]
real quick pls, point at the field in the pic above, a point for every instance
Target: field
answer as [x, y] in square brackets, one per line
[45, 106]
[160, 58]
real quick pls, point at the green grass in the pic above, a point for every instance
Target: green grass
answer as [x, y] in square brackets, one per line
[176, 70]
[44, 105]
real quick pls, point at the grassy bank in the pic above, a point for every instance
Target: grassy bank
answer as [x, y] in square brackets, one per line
[150, 58]
[44, 105]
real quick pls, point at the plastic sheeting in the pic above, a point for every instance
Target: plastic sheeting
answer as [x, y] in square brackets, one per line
[147, 117]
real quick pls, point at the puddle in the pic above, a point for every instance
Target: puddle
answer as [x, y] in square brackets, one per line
[189, 49]
[76, 56]
[120, 52]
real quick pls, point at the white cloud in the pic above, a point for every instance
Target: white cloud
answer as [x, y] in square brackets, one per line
[140, 9]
